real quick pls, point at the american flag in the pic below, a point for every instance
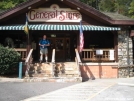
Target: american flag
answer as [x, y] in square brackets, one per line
[81, 38]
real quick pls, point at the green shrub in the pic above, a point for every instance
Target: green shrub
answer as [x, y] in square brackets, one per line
[9, 60]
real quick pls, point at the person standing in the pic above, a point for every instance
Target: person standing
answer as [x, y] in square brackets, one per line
[44, 43]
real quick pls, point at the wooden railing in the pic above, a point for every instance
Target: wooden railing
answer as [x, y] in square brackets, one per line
[29, 57]
[23, 53]
[90, 55]
[53, 62]
[28, 61]
[53, 56]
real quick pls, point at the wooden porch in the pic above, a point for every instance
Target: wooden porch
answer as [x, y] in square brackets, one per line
[88, 55]
[91, 56]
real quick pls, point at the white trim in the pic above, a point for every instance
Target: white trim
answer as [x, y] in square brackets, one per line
[102, 64]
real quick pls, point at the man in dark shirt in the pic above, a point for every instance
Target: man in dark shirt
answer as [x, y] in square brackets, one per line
[44, 43]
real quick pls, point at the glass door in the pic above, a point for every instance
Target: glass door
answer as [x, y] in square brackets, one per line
[59, 49]
[62, 48]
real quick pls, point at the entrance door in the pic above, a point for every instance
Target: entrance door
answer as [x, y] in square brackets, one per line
[62, 48]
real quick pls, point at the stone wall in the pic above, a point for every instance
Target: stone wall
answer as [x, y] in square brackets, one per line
[122, 49]
[122, 55]
[123, 72]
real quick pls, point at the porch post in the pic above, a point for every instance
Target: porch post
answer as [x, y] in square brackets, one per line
[116, 45]
[28, 43]
[128, 62]
[78, 42]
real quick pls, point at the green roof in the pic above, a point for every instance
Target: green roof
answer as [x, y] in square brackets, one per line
[116, 16]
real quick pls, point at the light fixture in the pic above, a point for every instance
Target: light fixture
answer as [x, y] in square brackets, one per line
[78, 8]
[29, 7]
[61, 0]
[53, 35]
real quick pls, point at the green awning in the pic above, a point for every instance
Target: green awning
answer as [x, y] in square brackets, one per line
[60, 27]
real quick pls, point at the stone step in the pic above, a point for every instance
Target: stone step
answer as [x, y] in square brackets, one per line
[68, 75]
[40, 74]
[62, 70]
[71, 72]
[42, 64]
[40, 71]
[53, 79]
[69, 68]
[66, 64]
[42, 68]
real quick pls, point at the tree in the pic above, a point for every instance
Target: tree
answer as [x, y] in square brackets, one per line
[93, 3]
[107, 5]
[6, 4]
[117, 6]
[122, 6]
[131, 10]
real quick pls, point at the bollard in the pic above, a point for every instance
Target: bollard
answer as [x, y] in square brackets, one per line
[20, 70]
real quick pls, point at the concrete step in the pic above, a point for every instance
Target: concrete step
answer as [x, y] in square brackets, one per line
[71, 72]
[40, 74]
[53, 79]
[65, 69]
[40, 70]
[68, 75]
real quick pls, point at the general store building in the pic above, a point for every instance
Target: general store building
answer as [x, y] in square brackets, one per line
[108, 37]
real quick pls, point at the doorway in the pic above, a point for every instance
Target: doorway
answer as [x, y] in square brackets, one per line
[61, 46]
[64, 43]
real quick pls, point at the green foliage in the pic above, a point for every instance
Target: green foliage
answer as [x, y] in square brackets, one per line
[131, 11]
[9, 59]
[92, 3]
[117, 6]
[107, 5]
[6, 4]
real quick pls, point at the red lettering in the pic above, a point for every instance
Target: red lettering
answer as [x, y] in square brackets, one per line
[58, 15]
[62, 16]
[77, 15]
[31, 16]
[70, 16]
[37, 15]
[66, 14]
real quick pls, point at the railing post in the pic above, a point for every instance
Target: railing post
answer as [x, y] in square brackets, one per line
[20, 70]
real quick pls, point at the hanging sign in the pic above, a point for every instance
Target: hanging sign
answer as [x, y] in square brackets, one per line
[54, 14]
[99, 52]
[111, 54]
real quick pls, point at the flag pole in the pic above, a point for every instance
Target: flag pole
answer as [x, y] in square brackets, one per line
[28, 38]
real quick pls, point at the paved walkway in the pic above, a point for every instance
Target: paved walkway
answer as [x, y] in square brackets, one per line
[84, 91]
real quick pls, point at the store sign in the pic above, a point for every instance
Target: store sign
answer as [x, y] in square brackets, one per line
[111, 52]
[54, 14]
[99, 52]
